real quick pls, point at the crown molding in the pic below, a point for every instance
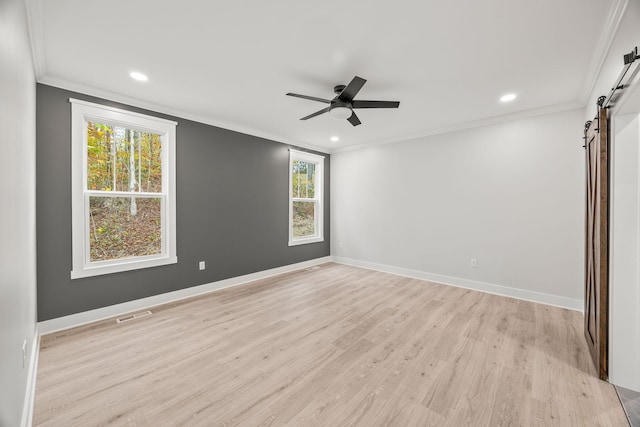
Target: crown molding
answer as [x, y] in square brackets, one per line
[33, 10]
[557, 108]
[163, 109]
[601, 49]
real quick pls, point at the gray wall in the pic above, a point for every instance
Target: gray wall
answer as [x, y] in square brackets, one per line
[232, 212]
[18, 213]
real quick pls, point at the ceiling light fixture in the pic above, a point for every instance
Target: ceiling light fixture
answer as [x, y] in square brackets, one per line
[335, 139]
[138, 76]
[340, 112]
[508, 97]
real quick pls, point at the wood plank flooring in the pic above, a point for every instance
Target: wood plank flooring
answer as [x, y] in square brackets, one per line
[334, 346]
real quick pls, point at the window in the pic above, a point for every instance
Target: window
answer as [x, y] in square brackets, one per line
[305, 198]
[123, 190]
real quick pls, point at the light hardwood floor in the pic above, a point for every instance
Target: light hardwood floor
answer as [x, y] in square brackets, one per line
[333, 346]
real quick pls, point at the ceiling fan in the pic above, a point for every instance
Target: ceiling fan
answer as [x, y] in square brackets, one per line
[342, 105]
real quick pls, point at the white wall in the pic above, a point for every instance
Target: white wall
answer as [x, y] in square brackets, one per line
[17, 215]
[509, 195]
[625, 252]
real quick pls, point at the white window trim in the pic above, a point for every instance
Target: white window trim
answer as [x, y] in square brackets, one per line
[81, 112]
[319, 197]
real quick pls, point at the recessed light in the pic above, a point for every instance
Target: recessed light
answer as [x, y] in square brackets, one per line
[335, 139]
[138, 76]
[508, 97]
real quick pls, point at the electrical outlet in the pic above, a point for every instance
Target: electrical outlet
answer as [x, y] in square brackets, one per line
[24, 354]
[201, 265]
[474, 263]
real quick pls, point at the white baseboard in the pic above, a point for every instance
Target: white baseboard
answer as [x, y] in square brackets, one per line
[539, 297]
[85, 317]
[30, 394]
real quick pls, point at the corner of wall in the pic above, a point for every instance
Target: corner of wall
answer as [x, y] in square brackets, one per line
[29, 400]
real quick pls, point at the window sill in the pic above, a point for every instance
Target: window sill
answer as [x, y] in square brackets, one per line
[98, 270]
[304, 241]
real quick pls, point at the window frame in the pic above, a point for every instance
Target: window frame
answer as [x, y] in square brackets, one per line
[81, 113]
[318, 199]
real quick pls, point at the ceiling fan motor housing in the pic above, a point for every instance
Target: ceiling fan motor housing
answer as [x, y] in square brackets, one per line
[339, 103]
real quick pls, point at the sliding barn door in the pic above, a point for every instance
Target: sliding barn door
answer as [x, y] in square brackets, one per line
[596, 316]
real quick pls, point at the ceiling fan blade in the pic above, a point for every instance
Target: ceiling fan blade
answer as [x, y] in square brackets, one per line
[312, 98]
[354, 120]
[375, 104]
[317, 113]
[352, 89]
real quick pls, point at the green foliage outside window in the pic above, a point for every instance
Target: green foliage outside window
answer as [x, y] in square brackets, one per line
[303, 187]
[123, 160]
[120, 159]
[303, 182]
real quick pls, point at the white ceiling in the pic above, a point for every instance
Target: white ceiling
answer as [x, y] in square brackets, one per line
[230, 63]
